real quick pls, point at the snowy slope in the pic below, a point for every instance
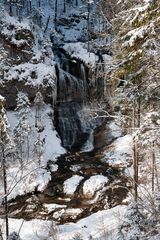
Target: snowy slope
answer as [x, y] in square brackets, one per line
[101, 224]
[34, 172]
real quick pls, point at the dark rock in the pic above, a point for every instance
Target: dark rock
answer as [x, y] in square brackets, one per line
[11, 88]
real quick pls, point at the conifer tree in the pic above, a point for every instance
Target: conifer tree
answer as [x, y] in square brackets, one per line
[133, 226]
[136, 90]
[22, 128]
[3, 61]
[39, 102]
[14, 236]
[38, 144]
[136, 50]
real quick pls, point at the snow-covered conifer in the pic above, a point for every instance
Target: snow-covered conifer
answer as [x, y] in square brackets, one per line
[39, 103]
[22, 128]
[134, 224]
[14, 236]
[136, 50]
[3, 62]
[3, 123]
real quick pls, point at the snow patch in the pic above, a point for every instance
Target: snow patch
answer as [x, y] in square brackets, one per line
[116, 131]
[75, 168]
[96, 225]
[78, 50]
[54, 206]
[93, 184]
[120, 152]
[138, 33]
[33, 74]
[25, 177]
[71, 184]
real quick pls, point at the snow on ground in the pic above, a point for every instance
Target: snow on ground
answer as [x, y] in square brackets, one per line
[98, 224]
[52, 147]
[7, 19]
[115, 129]
[93, 184]
[79, 50]
[101, 223]
[53, 206]
[72, 34]
[33, 74]
[71, 184]
[108, 60]
[120, 152]
[75, 167]
[33, 173]
[69, 212]
[1, 98]
[53, 167]
[22, 182]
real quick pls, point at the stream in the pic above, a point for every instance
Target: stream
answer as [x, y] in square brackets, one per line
[83, 136]
[66, 208]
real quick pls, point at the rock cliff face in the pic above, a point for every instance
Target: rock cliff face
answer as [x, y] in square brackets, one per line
[78, 82]
[74, 119]
[65, 57]
[24, 68]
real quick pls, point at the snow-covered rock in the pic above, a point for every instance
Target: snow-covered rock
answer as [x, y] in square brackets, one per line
[101, 224]
[93, 184]
[120, 152]
[71, 184]
[53, 206]
[79, 51]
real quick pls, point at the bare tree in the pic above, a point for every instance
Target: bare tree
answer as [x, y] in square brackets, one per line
[55, 14]
[1, 236]
[3, 142]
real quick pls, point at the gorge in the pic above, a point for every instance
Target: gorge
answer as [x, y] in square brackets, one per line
[77, 110]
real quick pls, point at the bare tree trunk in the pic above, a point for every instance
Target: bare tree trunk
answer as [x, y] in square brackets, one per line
[47, 24]
[5, 191]
[17, 10]
[40, 21]
[30, 5]
[64, 6]
[134, 116]
[10, 8]
[153, 166]
[135, 170]
[88, 25]
[1, 236]
[39, 150]
[156, 175]
[21, 152]
[36, 118]
[27, 8]
[55, 16]
[28, 147]
[139, 113]
[23, 3]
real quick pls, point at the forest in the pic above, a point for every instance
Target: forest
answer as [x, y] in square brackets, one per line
[79, 119]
